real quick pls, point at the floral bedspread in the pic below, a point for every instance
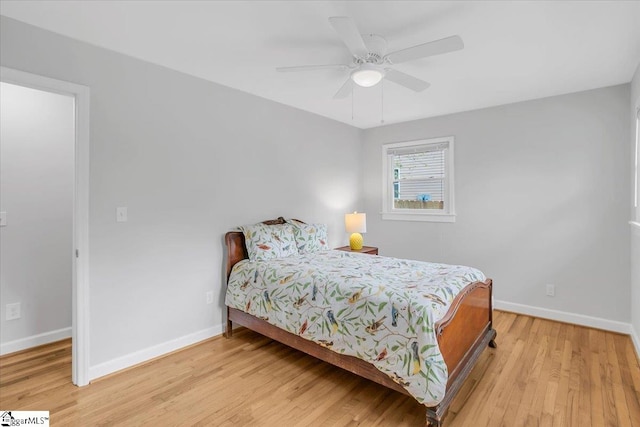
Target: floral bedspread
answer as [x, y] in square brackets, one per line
[379, 309]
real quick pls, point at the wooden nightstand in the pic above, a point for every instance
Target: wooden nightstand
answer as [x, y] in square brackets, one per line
[371, 250]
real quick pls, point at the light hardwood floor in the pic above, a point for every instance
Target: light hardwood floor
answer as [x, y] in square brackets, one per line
[543, 373]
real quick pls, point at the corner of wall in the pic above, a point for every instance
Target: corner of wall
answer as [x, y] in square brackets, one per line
[635, 227]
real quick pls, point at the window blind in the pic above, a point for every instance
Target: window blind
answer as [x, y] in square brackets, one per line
[419, 174]
[399, 151]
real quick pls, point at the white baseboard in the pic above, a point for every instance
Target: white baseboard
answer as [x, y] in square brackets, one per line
[566, 317]
[149, 353]
[34, 341]
[636, 341]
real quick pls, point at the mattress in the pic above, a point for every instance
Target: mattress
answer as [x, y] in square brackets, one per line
[382, 310]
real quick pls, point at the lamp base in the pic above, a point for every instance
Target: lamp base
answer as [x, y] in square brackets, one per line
[356, 241]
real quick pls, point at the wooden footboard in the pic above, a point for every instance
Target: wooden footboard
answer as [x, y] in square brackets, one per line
[463, 333]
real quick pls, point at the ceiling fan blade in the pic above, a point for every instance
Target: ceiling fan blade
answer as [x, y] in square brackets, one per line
[436, 47]
[406, 80]
[312, 68]
[348, 32]
[345, 90]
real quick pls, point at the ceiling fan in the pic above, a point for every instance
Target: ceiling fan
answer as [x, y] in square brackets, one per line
[371, 62]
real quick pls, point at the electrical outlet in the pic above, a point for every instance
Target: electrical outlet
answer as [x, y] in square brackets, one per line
[12, 311]
[121, 214]
[551, 290]
[209, 295]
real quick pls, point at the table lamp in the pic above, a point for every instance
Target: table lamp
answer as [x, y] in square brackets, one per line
[355, 224]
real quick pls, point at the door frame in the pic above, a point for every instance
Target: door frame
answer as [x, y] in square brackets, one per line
[80, 256]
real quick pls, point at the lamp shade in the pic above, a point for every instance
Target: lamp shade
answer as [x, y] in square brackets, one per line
[355, 222]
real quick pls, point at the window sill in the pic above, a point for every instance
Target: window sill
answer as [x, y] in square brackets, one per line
[635, 225]
[418, 216]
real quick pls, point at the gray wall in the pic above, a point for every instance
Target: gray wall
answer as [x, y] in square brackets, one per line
[541, 190]
[635, 231]
[541, 197]
[36, 191]
[190, 159]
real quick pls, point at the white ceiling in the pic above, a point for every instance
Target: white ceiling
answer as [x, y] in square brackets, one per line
[513, 51]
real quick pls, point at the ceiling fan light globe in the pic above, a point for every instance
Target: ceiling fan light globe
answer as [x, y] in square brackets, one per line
[366, 77]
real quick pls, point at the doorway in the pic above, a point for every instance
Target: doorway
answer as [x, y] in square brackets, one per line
[77, 98]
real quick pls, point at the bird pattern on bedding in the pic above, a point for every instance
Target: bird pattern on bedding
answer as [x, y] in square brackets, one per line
[382, 310]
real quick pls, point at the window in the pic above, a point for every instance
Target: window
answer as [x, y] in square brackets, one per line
[418, 180]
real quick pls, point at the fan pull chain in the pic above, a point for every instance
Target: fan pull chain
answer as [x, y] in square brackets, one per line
[352, 95]
[382, 102]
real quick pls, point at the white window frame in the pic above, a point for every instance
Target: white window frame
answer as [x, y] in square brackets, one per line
[391, 213]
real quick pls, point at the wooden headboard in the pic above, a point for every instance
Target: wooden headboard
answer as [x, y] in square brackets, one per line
[237, 250]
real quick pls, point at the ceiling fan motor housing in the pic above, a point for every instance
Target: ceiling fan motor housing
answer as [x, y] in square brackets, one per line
[369, 70]
[377, 49]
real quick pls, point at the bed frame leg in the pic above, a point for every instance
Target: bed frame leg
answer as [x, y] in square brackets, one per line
[228, 333]
[433, 420]
[492, 343]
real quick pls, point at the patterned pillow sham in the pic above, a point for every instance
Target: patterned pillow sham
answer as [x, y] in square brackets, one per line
[309, 237]
[269, 241]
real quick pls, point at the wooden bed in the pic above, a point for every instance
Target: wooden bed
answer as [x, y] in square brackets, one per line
[463, 333]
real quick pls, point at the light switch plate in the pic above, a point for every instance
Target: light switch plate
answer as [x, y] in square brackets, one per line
[3, 219]
[12, 311]
[121, 214]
